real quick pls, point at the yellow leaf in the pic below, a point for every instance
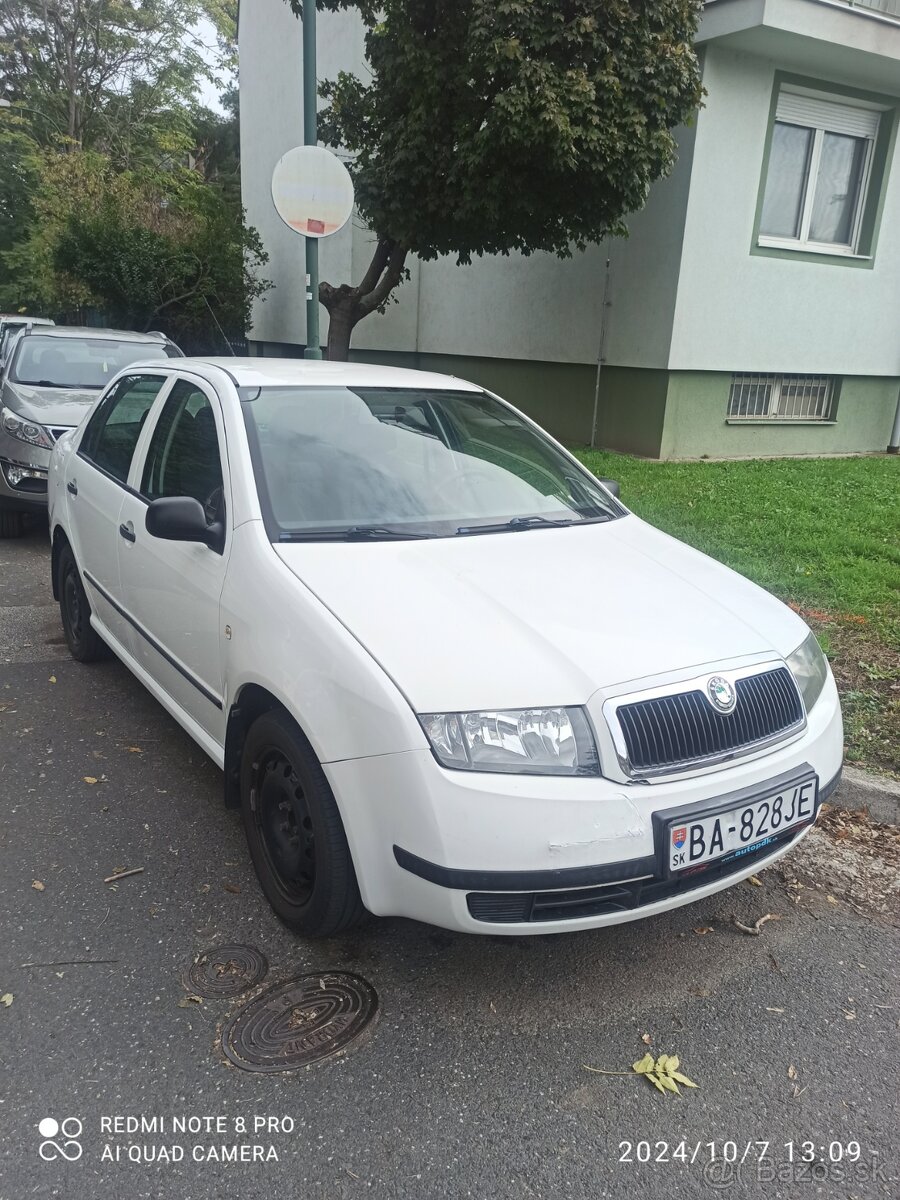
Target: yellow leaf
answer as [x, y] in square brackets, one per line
[684, 1079]
[90, 779]
[659, 1087]
[661, 1063]
[792, 1072]
[6, 998]
[53, 679]
[668, 1083]
[672, 1064]
[755, 881]
[646, 1064]
[37, 885]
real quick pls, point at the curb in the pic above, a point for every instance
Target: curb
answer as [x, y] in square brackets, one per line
[878, 795]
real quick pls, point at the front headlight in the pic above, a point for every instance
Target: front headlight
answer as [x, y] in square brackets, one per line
[523, 741]
[809, 667]
[25, 431]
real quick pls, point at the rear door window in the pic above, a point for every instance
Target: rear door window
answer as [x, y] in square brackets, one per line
[113, 430]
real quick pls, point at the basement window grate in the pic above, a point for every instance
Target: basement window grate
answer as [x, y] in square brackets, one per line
[781, 398]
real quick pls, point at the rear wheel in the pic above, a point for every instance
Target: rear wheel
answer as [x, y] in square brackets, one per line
[12, 523]
[75, 609]
[294, 831]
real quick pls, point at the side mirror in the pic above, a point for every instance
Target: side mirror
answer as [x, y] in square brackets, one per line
[612, 485]
[182, 519]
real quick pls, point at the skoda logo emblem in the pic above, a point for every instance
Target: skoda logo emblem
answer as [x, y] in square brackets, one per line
[722, 695]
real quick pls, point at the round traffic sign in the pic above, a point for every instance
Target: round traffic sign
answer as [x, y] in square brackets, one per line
[312, 191]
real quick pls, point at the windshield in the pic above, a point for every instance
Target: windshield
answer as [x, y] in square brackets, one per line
[384, 462]
[73, 362]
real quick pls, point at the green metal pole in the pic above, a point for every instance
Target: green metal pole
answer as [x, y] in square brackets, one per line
[310, 138]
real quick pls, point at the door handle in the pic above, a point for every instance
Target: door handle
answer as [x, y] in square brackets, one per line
[127, 534]
[72, 486]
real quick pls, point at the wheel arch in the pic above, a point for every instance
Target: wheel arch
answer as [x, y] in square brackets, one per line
[251, 701]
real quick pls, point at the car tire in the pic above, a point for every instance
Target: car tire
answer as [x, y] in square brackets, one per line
[12, 523]
[294, 831]
[85, 644]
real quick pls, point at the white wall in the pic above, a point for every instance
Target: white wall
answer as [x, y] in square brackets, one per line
[535, 308]
[741, 312]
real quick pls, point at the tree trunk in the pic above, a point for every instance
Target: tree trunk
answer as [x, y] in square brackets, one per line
[347, 305]
[342, 319]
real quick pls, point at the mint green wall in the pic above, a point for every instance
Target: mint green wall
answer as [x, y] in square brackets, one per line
[696, 425]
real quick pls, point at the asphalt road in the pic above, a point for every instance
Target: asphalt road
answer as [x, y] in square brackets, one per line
[473, 1082]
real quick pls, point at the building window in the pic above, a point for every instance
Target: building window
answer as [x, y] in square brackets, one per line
[781, 398]
[818, 173]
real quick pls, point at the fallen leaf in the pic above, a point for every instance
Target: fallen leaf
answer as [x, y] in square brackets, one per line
[831, 899]
[755, 880]
[233, 888]
[37, 885]
[702, 930]
[6, 999]
[53, 679]
[189, 1000]
[792, 1072]
[134, 750]
[646, 1064]
[89, 779]
[646, 1039]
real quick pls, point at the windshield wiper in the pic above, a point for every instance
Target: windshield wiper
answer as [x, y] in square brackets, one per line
[518, 523]
[354, 533]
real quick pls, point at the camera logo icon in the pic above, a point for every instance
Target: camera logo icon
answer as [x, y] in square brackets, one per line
[69, 1131]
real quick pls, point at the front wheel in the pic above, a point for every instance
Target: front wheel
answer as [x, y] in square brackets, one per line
[75, 610]
[294, 831]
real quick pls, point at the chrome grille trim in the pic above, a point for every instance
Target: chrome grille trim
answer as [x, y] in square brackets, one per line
[671, 729]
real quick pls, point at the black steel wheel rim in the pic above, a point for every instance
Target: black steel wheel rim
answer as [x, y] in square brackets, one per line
[72, 599]
[285, 829]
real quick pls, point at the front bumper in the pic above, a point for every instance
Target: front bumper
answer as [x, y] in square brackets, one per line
[28, 494]
[461, 850]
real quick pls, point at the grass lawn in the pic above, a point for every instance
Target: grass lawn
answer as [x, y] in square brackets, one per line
[824, 535]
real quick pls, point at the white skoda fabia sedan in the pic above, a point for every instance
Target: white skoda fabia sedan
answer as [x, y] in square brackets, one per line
[446, 673]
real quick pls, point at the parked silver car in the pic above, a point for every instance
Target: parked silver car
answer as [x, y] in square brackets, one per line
[53, 376]
[12, 324]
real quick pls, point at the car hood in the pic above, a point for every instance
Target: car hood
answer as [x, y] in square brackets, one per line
[49, 405]
[541, 616]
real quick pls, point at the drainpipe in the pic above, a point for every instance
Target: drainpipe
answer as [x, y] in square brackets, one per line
[600, 352]
[894, 444]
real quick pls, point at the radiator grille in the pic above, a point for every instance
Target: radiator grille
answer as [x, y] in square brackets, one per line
[684, 728]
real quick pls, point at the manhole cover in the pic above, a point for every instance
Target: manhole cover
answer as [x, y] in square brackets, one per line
[300, 1022]
[225, 971]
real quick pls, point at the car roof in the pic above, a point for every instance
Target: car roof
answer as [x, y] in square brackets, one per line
[305, 372]
[108, 335]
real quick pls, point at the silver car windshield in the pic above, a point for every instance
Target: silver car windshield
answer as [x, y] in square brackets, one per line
[383, 462]
[74, 362]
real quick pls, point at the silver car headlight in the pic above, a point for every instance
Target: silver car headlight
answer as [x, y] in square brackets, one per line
[520, 741]
[25, 431]
[809, 666]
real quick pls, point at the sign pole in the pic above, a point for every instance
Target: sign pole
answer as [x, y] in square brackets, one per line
[310, 138]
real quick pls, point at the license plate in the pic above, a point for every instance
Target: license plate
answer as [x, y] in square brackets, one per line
[695, 841]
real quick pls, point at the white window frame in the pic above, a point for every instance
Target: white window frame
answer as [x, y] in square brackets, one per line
[782, 409]
[820, 125]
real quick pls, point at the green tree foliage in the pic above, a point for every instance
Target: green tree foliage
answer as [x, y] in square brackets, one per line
[488, 126]
[117, 191]
[150, 249]
[81, 67]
